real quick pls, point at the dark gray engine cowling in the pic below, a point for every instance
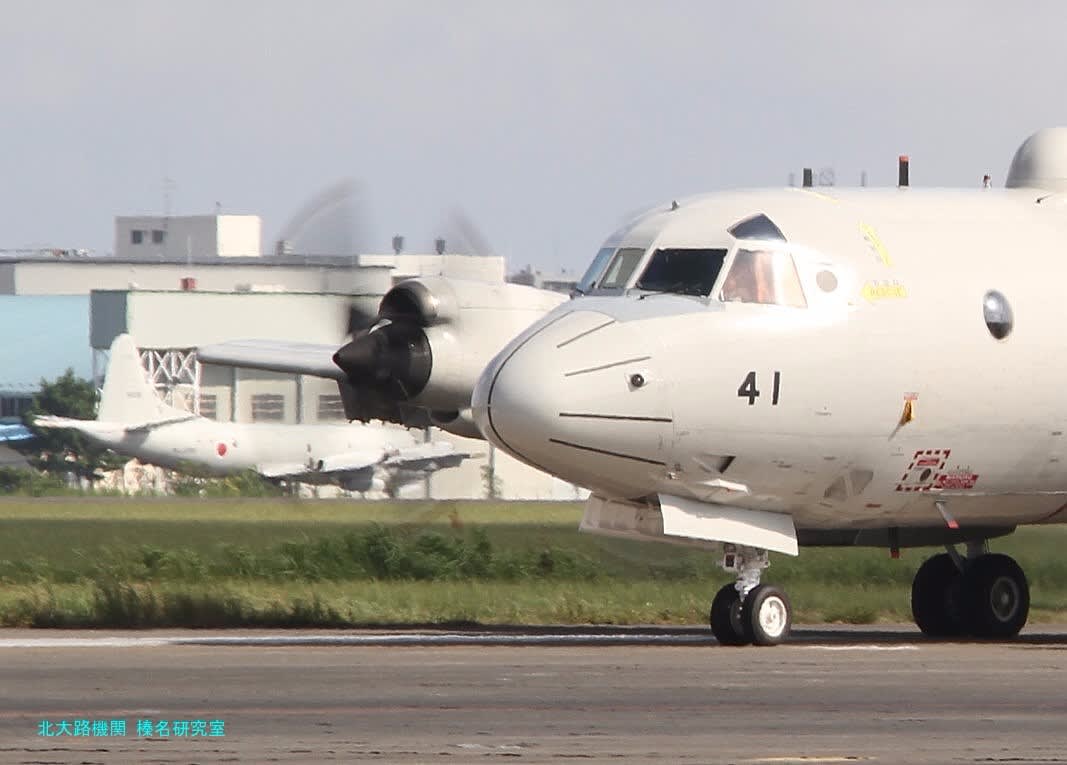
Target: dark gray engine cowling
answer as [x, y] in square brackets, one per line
[431, 340]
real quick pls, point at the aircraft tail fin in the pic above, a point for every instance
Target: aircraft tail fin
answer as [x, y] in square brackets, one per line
[128, 398]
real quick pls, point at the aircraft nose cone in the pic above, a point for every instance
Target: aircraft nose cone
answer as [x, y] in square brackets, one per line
[578, 397]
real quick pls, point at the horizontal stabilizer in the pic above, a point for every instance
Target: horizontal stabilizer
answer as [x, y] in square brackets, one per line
[274, 356]
[99, 427]
[89, 427]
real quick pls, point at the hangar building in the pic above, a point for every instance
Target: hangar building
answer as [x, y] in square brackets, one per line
[176, 283]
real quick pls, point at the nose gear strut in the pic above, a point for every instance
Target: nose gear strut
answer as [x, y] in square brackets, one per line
[747, 612]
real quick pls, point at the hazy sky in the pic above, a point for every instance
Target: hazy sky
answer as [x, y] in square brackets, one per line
[548, 123]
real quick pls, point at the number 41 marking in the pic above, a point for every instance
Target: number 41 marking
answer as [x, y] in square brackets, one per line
[749, 390]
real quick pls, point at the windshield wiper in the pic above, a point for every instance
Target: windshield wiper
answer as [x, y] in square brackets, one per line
[678, 288]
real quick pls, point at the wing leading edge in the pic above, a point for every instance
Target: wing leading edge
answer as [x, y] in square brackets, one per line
[274, 356]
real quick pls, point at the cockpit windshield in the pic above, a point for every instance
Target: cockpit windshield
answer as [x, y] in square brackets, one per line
[621, 268]
[588, 281]
[762, 276]
[682, 271]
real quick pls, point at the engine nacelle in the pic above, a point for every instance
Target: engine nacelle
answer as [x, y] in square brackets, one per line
[363, 482]
[431, 341]
[459, 423]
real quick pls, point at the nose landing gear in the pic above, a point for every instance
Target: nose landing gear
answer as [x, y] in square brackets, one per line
[983, 595]
[747, 612]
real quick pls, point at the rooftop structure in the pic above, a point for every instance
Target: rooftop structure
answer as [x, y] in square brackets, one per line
[181, 238]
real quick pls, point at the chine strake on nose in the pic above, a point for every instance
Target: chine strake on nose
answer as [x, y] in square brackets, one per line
[578, 396]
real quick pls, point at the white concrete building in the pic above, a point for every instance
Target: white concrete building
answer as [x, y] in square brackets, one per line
[357, 274]
[37, 276]
[476, 267]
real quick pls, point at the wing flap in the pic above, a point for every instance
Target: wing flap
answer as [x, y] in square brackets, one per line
[283, 470]
[350, 462]
[691, 519]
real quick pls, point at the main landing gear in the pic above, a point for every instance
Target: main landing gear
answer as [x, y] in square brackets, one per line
[747, 612]
[982, 595]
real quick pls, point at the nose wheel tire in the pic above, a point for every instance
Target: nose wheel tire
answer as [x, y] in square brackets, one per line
[766, 615]
[725, 617]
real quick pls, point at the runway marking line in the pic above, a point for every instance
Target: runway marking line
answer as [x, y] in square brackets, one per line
[380, 639]
[418, 639]
[806, 759]
[858, 647]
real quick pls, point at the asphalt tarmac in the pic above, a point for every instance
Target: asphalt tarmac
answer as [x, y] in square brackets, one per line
[832, 695]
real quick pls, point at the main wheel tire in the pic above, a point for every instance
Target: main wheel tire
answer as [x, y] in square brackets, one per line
[997, 596]
[766, 615]
[936, 598]
[725, 617]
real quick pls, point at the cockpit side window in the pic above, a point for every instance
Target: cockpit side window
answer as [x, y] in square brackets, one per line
[763, 276]
[685, 272]
[621, 268]
[595, 269]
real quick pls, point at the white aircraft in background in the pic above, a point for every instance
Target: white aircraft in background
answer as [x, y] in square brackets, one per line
[758, 370]
[133, 421]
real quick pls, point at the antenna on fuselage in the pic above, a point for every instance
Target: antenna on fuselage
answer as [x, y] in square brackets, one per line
[902, 171]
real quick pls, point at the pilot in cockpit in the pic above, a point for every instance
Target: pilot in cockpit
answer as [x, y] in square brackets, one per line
[750, 279]
[766, 277]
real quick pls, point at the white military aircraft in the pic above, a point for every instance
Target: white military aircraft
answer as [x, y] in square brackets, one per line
[133, 421]
[754, 371]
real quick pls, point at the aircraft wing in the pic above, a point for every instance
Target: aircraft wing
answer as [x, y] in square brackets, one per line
[274, 356]
[351, 462]
[145, 426]
[427, 456]
[283, 470]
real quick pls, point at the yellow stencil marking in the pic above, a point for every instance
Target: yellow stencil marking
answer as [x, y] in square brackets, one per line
[873, 291]
[876, 244]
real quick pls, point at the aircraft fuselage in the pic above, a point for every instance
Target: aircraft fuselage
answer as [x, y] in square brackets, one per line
[856, 402]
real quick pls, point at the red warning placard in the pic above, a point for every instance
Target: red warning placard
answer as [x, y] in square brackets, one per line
[956, 480]
[923, 470]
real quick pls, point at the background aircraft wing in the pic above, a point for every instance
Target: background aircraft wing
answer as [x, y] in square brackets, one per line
[427, 456]
[274, 356]
[283, 470]
[145, 426]
[351, 462]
